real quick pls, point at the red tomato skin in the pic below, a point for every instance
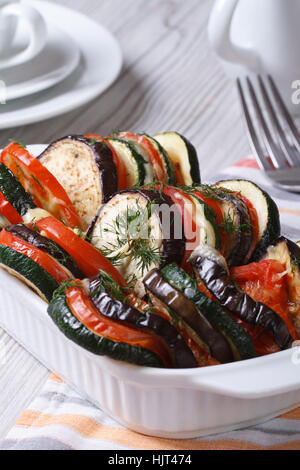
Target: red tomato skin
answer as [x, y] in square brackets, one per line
[88, 259]
[43, 259]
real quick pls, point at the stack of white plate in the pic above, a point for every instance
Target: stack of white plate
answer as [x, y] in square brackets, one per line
[80, 60]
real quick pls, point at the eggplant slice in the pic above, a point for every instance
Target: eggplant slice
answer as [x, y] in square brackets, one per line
[266, 208]
[288, 253]
[139, 230]
[180, 354]
[86, 171]
[237, 227]
[212, 270]
[49, 246]
[190, 313]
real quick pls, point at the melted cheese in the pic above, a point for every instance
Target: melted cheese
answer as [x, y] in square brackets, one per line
[34, 215]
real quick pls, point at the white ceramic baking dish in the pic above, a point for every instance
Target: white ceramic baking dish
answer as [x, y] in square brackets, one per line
[163, 403]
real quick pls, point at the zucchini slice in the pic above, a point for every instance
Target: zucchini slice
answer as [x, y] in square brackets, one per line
[136, 145]
[190, 313]
[49, 246]
[137, 167]
[206, 223]
[236, 227]
[77, 332]
[239, 341]
[211, 268]
[137, 230]
[288, 254]
[166, 161]
[179, 353]
[266, 208]
[183, 156]
[14, 192]
[85, 169]
[28, 271]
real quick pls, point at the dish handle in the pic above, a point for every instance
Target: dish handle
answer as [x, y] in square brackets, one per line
[277, 377]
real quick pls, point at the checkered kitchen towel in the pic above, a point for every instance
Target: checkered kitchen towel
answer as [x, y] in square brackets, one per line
[60, 419]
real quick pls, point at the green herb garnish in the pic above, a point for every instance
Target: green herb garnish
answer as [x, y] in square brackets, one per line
[17, 142]
[65, 286]
[133, 240]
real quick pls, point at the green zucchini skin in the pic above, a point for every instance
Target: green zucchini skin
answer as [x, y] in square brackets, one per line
[29, 270]
[140, 162]
[194, 161]
[181, 355]
[272, 231]
[48, 246]
[191, 154]
[233, 331]
[74, 330]
[14, 192]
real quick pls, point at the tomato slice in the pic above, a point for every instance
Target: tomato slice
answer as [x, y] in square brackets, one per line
[43, 259]
[266, 282]
[8, 211]
[88, 258]
[121, 169]
[84, 310]
[40, 183]
[153, 154]
[187, 209]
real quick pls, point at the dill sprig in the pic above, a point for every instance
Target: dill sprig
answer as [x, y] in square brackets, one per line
[80, 231]
[155, 186]
[13, 141]
[295, 260]
[228, 225]
[116, 132]
[59, 253]
[64, 286]
[34, 225]
[132, 232]
[109, 285]
[37, 181]
[145, 255]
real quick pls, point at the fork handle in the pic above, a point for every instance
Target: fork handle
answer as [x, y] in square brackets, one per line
[219, 35]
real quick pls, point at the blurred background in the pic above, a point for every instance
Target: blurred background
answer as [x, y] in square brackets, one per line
[171, 80]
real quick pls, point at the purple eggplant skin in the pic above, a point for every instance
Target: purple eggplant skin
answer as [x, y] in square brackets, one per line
[103, 159]
[180, 353]
[173, 247]
[187, 310]
[218, 282]
[243, 234]
[52, 248]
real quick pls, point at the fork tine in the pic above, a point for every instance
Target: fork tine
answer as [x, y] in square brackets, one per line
[275, 153]
[254, 141]
[292, 127]
[285, 146]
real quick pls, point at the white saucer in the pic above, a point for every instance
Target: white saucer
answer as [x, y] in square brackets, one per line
[100, 64]
[57, 61]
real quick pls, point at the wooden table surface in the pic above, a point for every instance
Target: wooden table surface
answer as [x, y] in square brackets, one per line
[170, 80]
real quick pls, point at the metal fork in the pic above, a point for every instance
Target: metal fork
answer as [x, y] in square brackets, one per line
[277, 154]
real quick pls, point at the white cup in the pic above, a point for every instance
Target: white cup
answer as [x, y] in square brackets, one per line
[259, 37]
[11, 11]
